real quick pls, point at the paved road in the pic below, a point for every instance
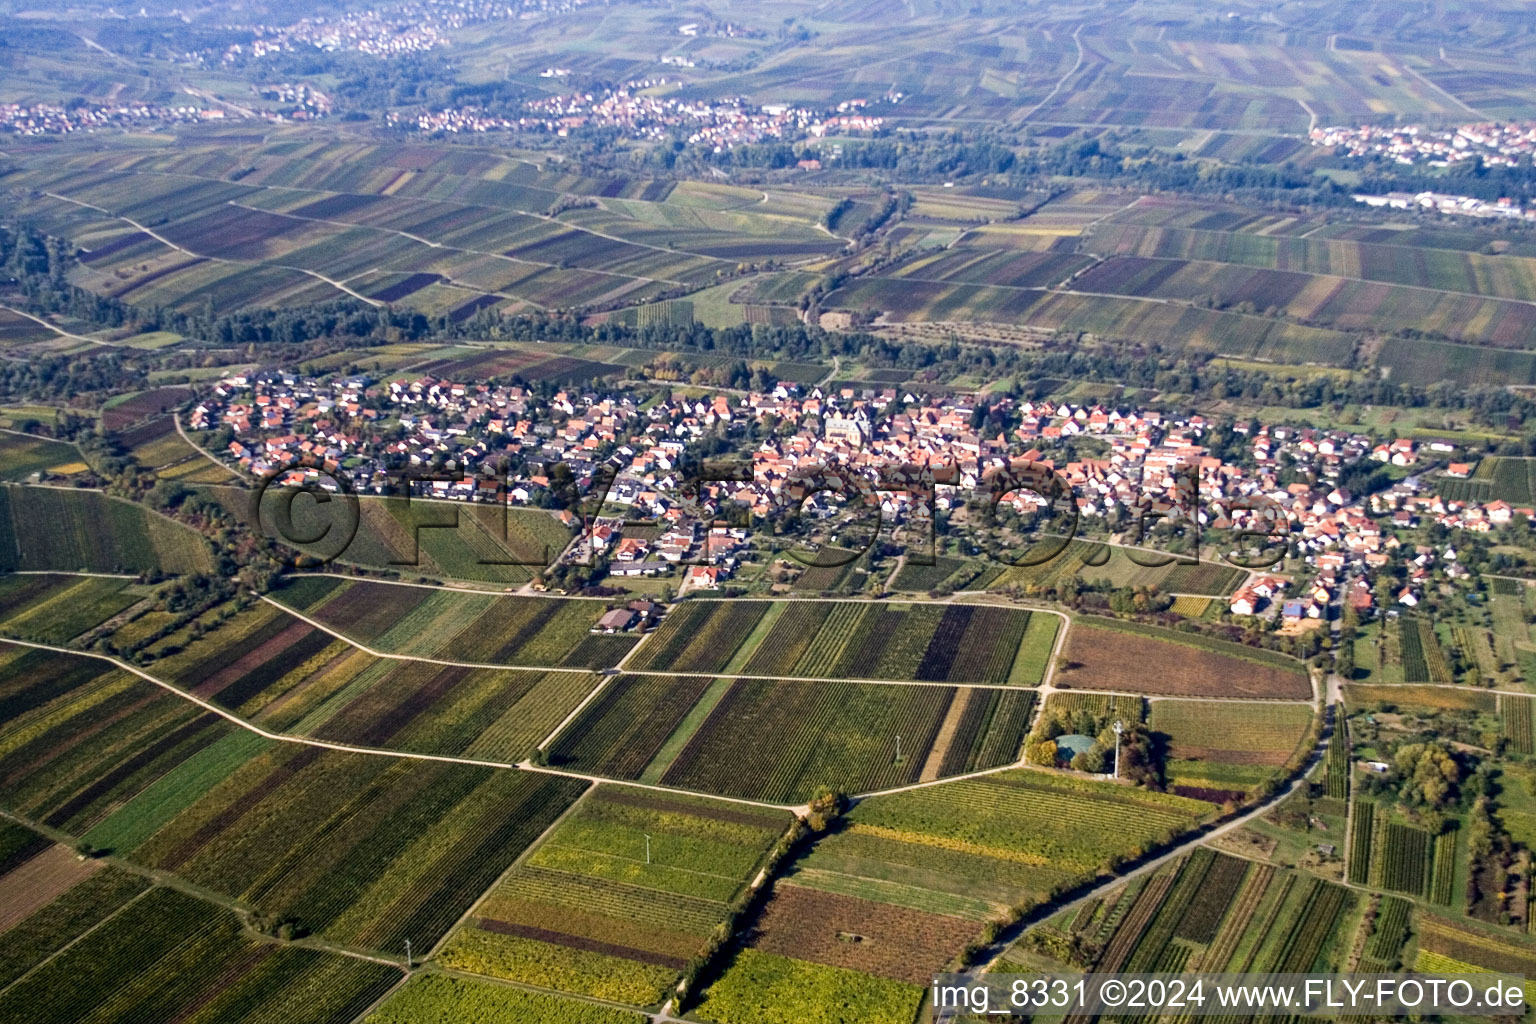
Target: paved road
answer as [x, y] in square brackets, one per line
[55, 328]
[205, 453]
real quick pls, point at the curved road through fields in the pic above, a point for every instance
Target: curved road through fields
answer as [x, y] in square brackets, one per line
[1010, 935]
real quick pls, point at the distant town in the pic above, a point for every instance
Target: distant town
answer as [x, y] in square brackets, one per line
[296, 102]
[639, 113]
[391, 30]
[1454, 205]
[1496, 144]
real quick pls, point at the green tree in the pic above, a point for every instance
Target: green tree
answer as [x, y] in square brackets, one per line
[1042, 752]
[826, 807]
[1429, 772]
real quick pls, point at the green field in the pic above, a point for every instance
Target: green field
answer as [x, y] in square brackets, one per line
[1099, 563]
[22, 455]
[418, 537]
[1510, 479]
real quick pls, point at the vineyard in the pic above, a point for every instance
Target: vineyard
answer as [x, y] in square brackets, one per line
[1204, 901]
[988, 732]
[622, 730]
[362, 849]
[45, 528]
[1362, 829]
[1422, 657]
[899, 943]
[51, 898]
[57, 609]
[697, 733]
[603, 248]
[1515, 723]
[922, 578]
[895, 894]
[169, 956]
[1120, 939]
[699, 636]
[1442, 884]
[806, 993]
[1316, 924]
[1156, 947]
[1337, 769]
[429, 998]
[280, 671]
[1456, 947]
[1193, 607]
[1223, 881]
[1065, 705]
[1168, 662]
[488, 714]
[459, 625]
[826, 579]
[407, 846]
[1506, 478]
[857, 640]
[51, 703]
[1433, 698]
[23, 455]
[1478, 646]
[1008, 838]
[1094, 562]
[620, 897]
[778, 740]
[1402, 858]
[1388, 934]
[1505, 587]
[1243, 734]
[1392, 855]
[1206, 912]
[484, 542]
[1511, 634]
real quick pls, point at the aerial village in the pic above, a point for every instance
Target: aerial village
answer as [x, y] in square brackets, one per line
[476, 442]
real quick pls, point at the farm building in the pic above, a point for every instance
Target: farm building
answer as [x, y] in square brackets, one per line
[617, 620]
[640, 569]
